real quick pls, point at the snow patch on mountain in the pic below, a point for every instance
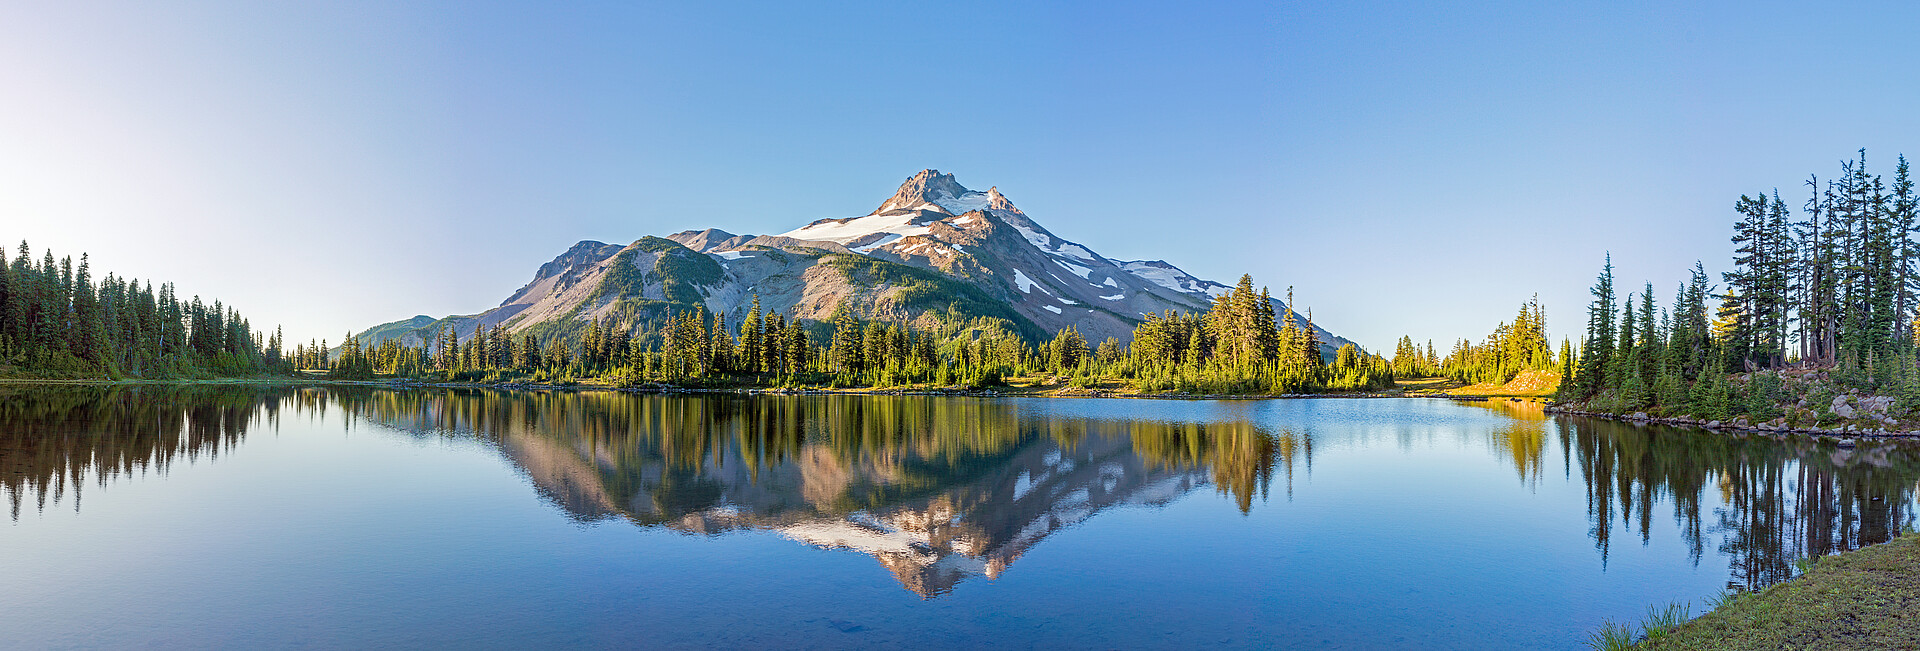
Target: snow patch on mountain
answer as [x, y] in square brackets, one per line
[1077, 251]
[1026, 284]
[1051, 308]
[1164, 277]
[883, 241]
[964, 203]
[1076, 269]
[848, 230]
[1034, 237]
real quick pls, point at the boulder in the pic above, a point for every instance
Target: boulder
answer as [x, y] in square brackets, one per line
[1841, 407]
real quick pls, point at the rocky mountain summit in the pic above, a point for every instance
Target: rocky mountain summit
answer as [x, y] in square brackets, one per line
[934, 247]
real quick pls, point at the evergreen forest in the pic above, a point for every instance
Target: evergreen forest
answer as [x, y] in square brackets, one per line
[57, 321]
[1819, 302]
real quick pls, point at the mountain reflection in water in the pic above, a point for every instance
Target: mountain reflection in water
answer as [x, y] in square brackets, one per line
[939, 490]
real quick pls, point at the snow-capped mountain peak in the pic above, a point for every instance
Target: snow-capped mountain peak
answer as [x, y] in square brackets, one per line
[974, 251]
[926, 197]
[935, 223]
[931, 190]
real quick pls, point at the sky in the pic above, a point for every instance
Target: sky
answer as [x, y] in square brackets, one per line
[1416, 169]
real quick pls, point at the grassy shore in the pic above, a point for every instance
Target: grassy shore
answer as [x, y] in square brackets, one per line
[1864, 599]
[1529, 384]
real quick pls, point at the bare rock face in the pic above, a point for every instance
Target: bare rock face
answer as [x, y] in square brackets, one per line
[585, 253]
[926, 187]
[1841, 408]
[711, 238]
[997, 202]
[933, 244]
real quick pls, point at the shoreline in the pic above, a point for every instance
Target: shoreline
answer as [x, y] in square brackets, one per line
[1841, 435]
[1016, 392]
[1844, 435]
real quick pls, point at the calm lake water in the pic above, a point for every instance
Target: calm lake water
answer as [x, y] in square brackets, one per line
[271, 517]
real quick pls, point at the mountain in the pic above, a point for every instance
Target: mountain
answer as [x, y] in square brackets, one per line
[933, 247]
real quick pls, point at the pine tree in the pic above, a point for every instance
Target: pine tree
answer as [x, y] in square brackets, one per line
[1902, 220]
[1597, 349]
[750, 351]
[1567, 363]
[844, 352]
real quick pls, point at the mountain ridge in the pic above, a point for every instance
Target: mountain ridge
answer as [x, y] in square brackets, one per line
[932, 240]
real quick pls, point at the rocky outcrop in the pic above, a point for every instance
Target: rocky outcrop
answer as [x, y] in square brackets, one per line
[1805, 401]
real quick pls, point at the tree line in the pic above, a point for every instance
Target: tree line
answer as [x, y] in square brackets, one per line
[1508, 351]
[1829, 286]
[1238, 345]
[1837, 282]
[1409, 360]
[698, 347]
[1505, 353]
[57, 321]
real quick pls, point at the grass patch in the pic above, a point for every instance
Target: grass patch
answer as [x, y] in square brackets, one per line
[1424, 385]
[1863, 599]
[1611, 637]
[1528, 384]
[1659, 623]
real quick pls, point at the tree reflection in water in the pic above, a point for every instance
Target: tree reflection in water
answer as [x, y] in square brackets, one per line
[942, 489]
[53, 439]
[1780, 498]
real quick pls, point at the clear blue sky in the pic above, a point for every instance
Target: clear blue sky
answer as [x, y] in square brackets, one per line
[1408, 168]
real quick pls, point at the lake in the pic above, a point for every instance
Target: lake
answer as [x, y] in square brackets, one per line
[354, 517]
